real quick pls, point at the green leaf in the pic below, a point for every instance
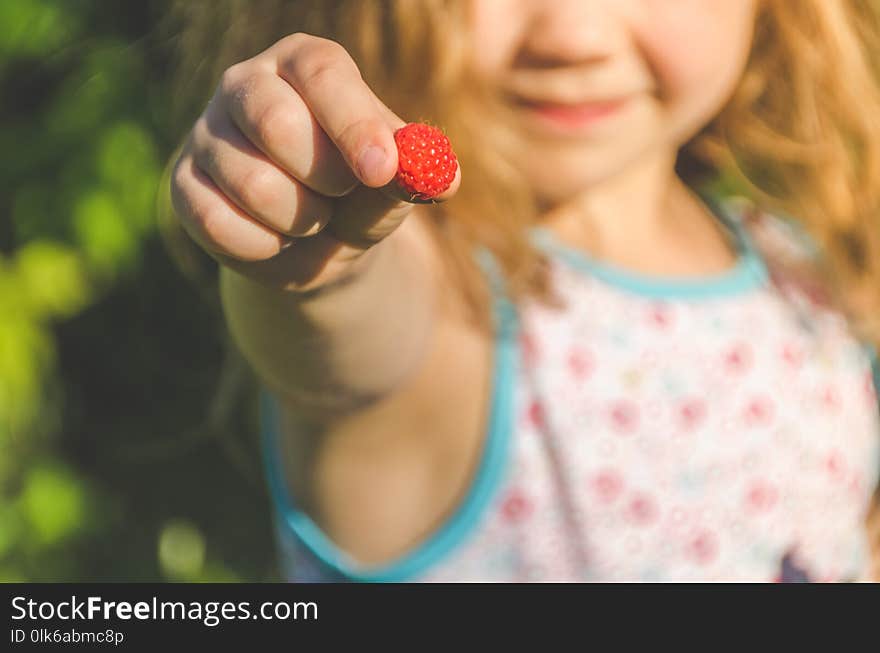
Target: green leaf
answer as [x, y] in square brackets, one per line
[53, 502]
[84, 101]
[103, 233]
[80, 105]
[35, 27]
[26, 352]
[53, 278]
[10, 528]
[181, 550]
[12, 302]
[128, 163]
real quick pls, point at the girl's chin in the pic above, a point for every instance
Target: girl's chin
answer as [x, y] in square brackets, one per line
[556, 190]
[560, 174]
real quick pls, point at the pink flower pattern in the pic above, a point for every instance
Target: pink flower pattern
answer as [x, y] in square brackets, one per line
[690, 439]
[769, 444]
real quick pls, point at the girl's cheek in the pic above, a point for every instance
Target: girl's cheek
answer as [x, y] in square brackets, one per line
[493, 31]
[694, 46]
[676, 65]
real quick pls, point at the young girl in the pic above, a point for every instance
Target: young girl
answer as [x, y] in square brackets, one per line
[589, 361]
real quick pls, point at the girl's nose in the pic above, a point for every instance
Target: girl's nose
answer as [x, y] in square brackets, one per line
[566, 32]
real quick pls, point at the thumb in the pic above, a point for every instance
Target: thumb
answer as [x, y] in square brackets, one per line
[425, 160]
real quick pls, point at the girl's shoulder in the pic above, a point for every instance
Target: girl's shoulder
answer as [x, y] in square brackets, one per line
[786, 248]
[779, 237]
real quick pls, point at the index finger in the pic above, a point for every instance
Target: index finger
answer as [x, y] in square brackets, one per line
[329, 82]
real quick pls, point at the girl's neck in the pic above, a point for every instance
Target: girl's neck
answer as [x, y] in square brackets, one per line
[645, 220]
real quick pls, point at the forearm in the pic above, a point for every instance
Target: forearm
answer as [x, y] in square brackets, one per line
[342, 347]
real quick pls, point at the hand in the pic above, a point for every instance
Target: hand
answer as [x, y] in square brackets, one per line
[287, 176]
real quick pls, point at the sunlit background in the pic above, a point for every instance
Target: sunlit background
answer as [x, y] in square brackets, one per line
[126, 449]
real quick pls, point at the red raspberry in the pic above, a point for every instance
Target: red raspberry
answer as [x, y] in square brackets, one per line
[426, 163]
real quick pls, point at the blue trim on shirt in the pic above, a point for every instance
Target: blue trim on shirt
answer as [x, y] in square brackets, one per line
[871, 353]
[748, 274]
[466, 517]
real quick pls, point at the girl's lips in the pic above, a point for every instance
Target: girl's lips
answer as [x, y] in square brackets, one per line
[568, 117]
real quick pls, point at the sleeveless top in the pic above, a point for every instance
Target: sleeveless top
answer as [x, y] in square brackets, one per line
[723, 428]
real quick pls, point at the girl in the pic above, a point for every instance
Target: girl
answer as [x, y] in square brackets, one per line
[590, 360]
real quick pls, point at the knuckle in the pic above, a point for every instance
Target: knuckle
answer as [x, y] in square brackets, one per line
[180, 185]
[231, 78]
[273, 124]
[331, 49]
[211, 220]
[316, 72]
[260, 189]
[228, 81]
[200, 135]
[239, 94]
[205, 160]
[321, 61]
[177, 176]
[307, 45]
[295, 41]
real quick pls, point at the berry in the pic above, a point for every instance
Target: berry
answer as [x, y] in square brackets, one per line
[426, 163]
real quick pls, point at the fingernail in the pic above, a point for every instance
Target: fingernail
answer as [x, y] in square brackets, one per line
[370, 162]
[315, 228]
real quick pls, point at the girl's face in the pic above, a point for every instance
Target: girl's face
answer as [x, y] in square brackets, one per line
[600, 86]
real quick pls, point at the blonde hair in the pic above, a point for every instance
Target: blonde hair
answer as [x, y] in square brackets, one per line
[799, 134]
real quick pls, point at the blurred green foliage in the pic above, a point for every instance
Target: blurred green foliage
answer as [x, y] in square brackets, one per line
[124, 453]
